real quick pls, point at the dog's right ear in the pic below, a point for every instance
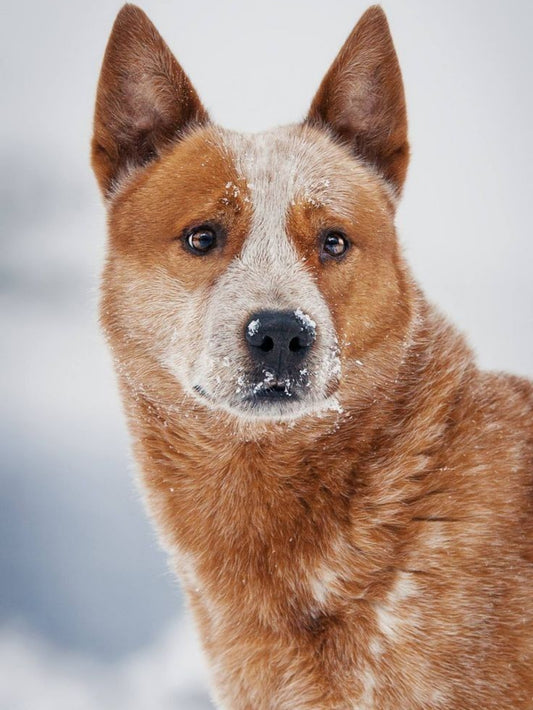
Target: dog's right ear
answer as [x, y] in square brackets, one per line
[361, 99]
[144, 99]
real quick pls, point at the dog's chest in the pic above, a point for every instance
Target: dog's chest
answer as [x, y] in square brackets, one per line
[296, 637]
[331, 664]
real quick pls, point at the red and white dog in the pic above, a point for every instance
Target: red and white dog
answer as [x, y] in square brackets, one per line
[347, 499]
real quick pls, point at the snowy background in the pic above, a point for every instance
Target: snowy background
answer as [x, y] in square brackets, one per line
[90, 618]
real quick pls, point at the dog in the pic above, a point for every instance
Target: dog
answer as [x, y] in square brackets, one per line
[346, 498]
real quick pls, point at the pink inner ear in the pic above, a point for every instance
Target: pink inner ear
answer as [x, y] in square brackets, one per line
[144, 99]
[361, 98]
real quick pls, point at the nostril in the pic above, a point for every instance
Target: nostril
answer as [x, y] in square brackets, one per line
[267, 344]
[295, 345]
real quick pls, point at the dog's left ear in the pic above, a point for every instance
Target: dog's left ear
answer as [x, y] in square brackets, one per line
[144, 99]
[361, 98]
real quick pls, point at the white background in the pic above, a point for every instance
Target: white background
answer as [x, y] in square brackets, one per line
[90, 619]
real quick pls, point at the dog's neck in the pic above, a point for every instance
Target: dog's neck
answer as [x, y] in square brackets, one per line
[295, 532]
[279, 501]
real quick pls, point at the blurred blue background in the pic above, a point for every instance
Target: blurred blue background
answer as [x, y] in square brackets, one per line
[90, 618]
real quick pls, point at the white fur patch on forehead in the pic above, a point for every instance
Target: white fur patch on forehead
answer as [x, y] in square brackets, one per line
[295, 164]
[279, 168]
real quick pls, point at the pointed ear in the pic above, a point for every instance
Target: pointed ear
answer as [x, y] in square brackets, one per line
[361, 98]
[144, 99]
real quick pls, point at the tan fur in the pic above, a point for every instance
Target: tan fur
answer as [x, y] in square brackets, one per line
[372, 548]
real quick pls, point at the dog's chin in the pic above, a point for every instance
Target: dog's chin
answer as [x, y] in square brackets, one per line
[269, 404]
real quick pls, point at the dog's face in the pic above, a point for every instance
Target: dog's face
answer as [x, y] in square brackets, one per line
[255, 271]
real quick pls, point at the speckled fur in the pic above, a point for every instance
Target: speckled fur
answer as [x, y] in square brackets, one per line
[367, 548]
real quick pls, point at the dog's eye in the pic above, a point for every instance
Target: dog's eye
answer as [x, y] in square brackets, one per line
[335, 244]
[200, 240]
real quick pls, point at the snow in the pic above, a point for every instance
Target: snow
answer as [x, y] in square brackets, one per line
[166, 675]
[304, 319]
[253, 326]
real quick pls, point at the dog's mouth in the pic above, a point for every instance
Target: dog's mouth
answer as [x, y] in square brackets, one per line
[202, 392]
[262, 393]
[264, 387]
[275, 392]
[273, 389]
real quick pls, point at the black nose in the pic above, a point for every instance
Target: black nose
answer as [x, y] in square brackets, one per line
[280, 340]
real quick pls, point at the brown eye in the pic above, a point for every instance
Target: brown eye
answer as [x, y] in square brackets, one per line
[335, 244]
[200, 240]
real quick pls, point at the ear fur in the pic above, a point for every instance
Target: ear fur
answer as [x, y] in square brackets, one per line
[144, 99]
[361, 98]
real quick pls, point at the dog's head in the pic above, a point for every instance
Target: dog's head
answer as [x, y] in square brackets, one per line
[254, 273]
